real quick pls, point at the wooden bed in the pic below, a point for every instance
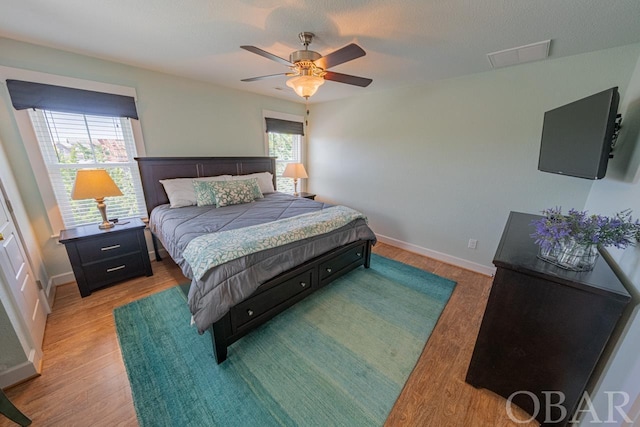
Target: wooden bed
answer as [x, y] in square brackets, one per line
[275, 295]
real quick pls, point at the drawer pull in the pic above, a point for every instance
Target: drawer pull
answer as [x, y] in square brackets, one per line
[358, 254]
[329, 270]
[303, 284]
[108, 248]
[111, 270]
[250, 312]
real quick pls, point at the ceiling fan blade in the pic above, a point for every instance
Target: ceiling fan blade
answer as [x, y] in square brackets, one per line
[348, 79]
[266, 54]
[253, 79]
[340, 56]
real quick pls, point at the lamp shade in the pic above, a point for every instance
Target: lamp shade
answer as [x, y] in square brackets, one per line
[94, 184]
[305, 86]
[295, 170]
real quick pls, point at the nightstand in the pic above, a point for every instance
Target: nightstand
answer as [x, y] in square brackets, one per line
[306, 195]
[103, 257]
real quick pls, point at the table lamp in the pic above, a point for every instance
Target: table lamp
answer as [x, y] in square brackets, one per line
[95, 184]
[295, 171]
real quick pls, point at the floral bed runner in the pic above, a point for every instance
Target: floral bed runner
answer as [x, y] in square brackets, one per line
[210, 250]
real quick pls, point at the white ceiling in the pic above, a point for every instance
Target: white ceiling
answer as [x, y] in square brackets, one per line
[407, 42]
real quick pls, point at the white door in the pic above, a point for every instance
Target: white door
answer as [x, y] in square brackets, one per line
[17, 273]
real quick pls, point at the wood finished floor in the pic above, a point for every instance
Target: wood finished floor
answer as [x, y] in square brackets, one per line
[84, 382]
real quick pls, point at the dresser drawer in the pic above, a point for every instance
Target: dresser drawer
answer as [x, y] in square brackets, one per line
[113, 270]
[251, 309]
[335, 265]
[107, 246]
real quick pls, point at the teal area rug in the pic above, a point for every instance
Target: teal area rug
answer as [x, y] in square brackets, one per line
[338, 358]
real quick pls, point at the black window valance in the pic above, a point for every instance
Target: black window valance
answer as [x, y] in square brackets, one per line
[69, 100]
[284, 126]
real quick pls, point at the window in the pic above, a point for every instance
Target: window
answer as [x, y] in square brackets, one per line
[68, 124]
[284, 142]
[69, 142]
[286, 149]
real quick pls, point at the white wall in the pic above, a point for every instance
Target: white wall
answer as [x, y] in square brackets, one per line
[621, 190]
[436, 165]
[179, 117]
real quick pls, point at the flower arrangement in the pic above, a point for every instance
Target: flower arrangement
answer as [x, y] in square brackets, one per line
[570, 240]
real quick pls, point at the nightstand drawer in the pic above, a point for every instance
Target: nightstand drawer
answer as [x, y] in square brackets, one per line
[107, 247]
[113, 270]
[101, 257]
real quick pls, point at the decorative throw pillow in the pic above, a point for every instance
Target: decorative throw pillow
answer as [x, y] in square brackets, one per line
[225, 193]
[205, 194]
[254, 183]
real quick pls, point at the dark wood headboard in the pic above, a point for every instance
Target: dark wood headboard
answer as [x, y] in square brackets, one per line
[153, 169]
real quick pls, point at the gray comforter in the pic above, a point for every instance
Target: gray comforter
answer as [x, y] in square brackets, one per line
[226, 285]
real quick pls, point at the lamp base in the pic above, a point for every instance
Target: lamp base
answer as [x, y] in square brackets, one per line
[103, 212]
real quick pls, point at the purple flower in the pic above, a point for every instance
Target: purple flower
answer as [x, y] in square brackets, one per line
[555, 228]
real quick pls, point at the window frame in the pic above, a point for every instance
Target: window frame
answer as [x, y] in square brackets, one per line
[302, 183]
[30, 140]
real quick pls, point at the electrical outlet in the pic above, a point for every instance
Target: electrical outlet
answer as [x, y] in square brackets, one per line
[473, 243]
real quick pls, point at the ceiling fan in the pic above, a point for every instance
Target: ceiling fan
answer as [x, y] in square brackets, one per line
[309, 69]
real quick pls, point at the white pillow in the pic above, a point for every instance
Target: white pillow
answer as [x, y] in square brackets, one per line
[265, 180]
[180, 190]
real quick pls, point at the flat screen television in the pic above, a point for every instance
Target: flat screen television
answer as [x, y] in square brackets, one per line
[577, 138]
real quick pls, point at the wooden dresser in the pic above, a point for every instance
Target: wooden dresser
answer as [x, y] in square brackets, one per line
[544, 328]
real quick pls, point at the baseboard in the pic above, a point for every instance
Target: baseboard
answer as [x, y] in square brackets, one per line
[449, 259]
[21, 372]
[50, 291]
[60, 279]
[163, 253]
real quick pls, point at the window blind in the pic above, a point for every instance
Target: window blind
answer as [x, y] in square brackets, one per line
[26, 95]
[69, 142]
[284, 126]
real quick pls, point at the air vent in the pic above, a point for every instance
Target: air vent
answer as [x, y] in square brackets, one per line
[519, 55]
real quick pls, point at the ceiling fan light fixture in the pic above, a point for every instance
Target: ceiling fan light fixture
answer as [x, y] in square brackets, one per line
[308, 69]
[305, 86]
